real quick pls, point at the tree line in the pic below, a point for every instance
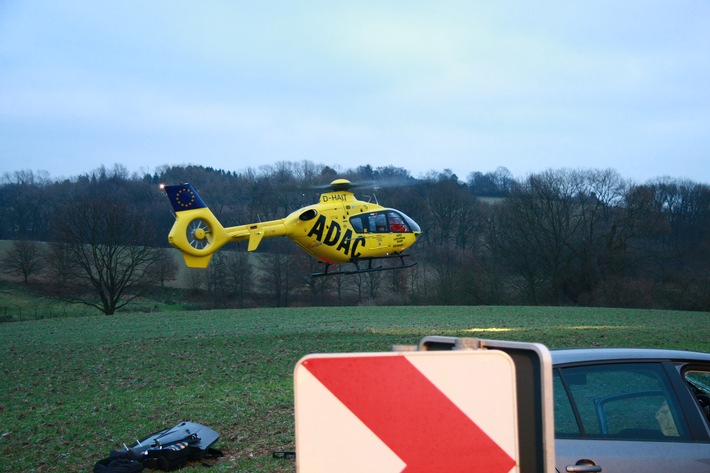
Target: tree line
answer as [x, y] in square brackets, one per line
[558, 237]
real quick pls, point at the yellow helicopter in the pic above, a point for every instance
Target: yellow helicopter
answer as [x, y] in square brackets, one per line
[338, 229]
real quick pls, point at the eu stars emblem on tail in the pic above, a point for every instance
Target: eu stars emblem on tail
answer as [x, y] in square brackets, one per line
[184, 197]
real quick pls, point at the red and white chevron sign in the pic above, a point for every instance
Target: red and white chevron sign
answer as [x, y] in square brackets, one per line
[412, 412]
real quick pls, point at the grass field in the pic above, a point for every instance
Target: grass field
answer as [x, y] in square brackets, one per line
[75, 388]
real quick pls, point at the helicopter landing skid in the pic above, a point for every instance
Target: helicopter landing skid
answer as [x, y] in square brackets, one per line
[369, 269]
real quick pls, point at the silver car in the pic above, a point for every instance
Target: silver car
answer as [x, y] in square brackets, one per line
[631, 410]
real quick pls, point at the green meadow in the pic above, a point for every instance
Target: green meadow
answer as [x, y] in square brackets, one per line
[74, 388]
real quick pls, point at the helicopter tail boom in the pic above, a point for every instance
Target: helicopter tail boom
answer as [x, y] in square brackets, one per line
[197, 232]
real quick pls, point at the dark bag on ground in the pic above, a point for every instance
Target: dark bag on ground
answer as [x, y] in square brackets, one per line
[118, 465]
[168, 449]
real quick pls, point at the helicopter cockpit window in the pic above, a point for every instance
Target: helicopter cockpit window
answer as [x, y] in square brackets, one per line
[412, 226]
[396, 222]
[356, 223]
[377, 223]
[383, 222]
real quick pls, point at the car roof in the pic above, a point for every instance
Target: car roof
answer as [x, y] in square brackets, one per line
[580, 355]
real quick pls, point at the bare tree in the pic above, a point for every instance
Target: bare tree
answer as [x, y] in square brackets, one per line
[534, 233]
[239, 274]
[450, 206]
[23, 257]
[373, 281]
[59, 265]
[25, 202]
[599, 196]
[367, 286]
[215, 276]
[319, 289]
[277, 278]
[195, 279]
[164, 268]
[685, 209]
[228, 276]
[105, 238]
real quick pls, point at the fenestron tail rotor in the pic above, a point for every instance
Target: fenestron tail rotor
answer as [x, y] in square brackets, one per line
[199, 234]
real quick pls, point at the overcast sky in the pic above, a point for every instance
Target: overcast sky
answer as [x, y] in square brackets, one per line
[460, 85]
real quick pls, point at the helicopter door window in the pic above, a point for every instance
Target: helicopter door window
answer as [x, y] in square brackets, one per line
[378, 223]
[396, 222]
[356, 223]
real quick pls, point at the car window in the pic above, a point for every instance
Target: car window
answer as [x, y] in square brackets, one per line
[699, 382]
[617, 401]
[565, 422]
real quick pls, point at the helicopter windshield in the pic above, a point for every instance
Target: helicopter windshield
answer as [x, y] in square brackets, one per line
[413, 226]
[388, 221]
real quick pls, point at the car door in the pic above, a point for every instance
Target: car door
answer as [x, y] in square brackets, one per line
[624, 417]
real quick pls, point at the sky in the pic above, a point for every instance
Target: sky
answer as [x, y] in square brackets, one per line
[463, 86]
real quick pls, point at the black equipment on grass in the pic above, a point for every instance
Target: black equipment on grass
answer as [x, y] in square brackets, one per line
[167, 449]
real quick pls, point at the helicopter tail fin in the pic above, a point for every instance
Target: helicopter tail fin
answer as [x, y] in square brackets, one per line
[183, 197]
[196, 232]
